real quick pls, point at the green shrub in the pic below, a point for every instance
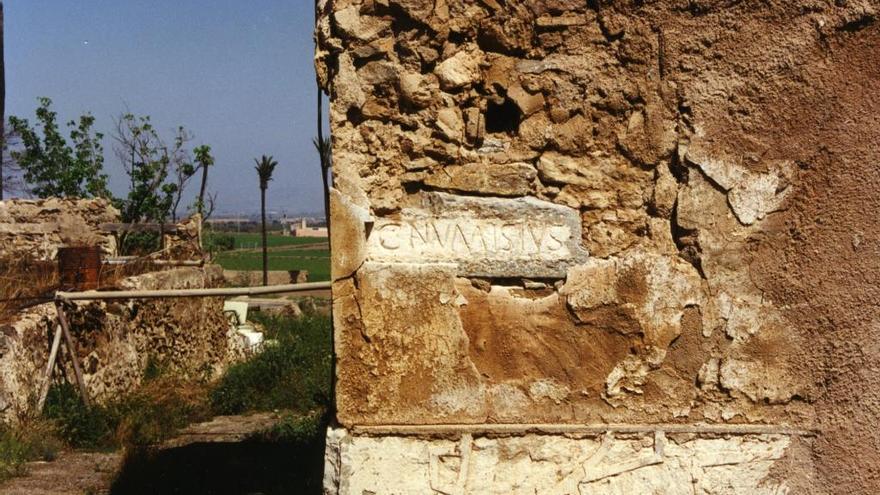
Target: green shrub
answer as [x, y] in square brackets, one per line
[217, 242]
[293, 372]
[148, 415]
[78, 425]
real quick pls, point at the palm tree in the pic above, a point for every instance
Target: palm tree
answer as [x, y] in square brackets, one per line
[265, 167]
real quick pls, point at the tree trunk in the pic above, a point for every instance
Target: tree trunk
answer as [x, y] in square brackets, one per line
[2, 101]
[324, 166]
[202, 191]
[265, 252]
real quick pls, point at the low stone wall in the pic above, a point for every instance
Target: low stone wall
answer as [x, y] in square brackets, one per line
[255, 278]
[37, 228]
[115, 340]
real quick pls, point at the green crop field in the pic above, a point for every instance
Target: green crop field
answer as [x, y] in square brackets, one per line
[285, 253]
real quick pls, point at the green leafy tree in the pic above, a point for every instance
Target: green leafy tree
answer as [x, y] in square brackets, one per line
[51, 165]
[265, 168]
[158, 173]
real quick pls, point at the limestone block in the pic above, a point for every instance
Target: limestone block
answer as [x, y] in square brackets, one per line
[402, 353]
[451, 124]
[509, 179]
[647, 294]
[481, 236]
[557, 464]
[348, 235]
[528, 103]
[416, 89]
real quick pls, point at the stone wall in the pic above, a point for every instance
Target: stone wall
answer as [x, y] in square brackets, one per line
[116, 339]
[37, 228]
[600, 217]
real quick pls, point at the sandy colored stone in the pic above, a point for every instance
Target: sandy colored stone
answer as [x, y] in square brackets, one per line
[402, 355]
[719, 161]
[115, 340]
[348, 235]
[37, 228]
[555, 465]
[481, 236]
[508, 179]
[461, 69]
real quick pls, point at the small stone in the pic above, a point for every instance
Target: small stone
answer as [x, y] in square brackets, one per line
[462, 69]
[450, 123]
[475, 127]
[416, 90]
[528, 103]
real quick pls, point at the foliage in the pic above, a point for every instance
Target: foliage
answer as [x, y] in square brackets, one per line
[149, 161]
[296, 428]
[215, 243]
[203, 159]
[78, 424]
[52, 165]
[160, 407]
[31, 441]
[265, 168]
[293, 372]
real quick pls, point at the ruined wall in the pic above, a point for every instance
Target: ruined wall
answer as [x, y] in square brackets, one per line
[116, 339]
[651, 218]
[37, 228]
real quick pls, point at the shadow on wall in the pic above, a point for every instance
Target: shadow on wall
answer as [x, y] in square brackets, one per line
[253, 467]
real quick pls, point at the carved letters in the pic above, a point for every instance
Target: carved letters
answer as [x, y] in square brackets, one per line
[483, 236]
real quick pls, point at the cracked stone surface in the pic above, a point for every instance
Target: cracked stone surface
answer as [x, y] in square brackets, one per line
[601, 213]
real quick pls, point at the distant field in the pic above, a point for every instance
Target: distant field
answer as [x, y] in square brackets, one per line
[246, 257]
[252, 240]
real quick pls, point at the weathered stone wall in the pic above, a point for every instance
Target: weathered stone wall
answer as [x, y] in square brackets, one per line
[604, 213]
[116, 339]
[37, 228]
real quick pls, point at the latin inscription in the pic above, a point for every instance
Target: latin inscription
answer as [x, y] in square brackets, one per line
[452, 238]
[483, 237]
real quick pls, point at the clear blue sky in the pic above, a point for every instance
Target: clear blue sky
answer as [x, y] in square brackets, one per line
[238, 74]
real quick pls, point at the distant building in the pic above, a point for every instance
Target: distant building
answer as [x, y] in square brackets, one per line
[303, 230]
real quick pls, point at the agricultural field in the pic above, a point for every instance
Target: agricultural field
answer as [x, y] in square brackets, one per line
[285, 253]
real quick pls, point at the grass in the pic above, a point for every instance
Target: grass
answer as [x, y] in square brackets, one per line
[23, 278]
[152, 413]
[317, 262]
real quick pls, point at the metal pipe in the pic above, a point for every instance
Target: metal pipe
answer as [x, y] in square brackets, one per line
[164, 293]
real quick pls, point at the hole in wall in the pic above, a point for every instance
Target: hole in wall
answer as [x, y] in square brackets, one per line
[503, 117]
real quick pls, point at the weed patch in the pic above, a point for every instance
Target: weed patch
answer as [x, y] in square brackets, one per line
[35, 440]
[292, 373]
